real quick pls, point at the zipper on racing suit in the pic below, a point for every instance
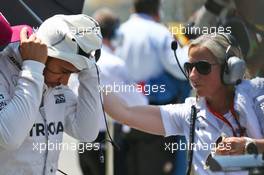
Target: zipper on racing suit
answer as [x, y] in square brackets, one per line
[42, 112]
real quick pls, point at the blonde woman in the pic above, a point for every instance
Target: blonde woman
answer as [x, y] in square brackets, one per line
[224, 104]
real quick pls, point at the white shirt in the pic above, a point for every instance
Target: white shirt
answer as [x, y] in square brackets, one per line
[25, 123]
[146, 49]
[176, 121]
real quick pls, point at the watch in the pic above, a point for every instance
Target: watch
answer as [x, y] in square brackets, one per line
[250, 146]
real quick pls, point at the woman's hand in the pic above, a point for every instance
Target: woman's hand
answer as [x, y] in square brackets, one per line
[231, 146]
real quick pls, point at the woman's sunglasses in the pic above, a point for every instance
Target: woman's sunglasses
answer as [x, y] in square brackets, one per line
[203, 67]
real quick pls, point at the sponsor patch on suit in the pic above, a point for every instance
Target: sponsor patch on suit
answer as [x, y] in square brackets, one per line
[59, 98]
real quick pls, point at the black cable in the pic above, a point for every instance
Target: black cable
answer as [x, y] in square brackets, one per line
[191, 136]
[101, 154]
[174, 46]
[106, 124]
[61, 172]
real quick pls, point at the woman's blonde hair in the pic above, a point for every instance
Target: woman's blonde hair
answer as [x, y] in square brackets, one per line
[217, 44]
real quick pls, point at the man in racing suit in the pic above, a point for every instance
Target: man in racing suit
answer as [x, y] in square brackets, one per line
[36, 105]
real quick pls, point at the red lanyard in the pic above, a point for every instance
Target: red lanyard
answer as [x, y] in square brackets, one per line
[222, 118]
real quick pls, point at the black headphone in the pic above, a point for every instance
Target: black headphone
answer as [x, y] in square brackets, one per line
[234, 68]
[97, 53]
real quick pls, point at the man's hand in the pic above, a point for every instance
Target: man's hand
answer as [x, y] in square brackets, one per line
[32, 48]
[231, 146]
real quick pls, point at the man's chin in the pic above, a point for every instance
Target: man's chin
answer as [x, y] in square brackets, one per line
[52, 85]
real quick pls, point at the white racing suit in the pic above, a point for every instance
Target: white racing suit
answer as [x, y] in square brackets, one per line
[33, 117]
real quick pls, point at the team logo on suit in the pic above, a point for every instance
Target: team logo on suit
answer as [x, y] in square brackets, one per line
[59, 98]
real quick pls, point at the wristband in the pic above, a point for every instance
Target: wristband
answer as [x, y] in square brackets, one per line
[250, 146]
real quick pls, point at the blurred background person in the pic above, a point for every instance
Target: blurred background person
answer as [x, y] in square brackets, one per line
[239, 19]
[146, 51]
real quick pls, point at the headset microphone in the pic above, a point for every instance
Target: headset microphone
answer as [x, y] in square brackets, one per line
[174, 46]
